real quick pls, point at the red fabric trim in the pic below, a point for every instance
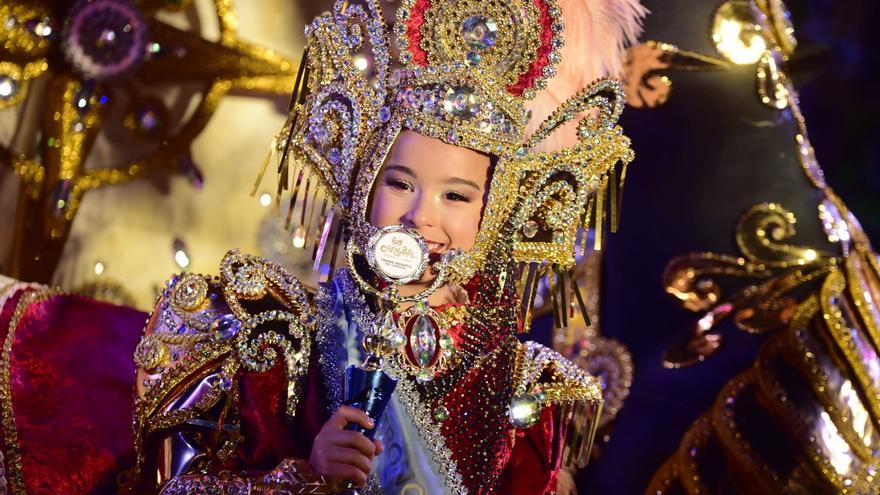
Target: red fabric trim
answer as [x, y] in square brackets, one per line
[414, 31]
[536, 69]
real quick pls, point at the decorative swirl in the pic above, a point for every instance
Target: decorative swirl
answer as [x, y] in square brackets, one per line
[604, 97]
[686, 277]
[760, 232]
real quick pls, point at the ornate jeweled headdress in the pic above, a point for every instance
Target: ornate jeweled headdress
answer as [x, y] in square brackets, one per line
[468, 67]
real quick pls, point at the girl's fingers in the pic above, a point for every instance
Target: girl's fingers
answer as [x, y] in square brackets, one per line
[353, 439]
[347, 414]
[379, 447]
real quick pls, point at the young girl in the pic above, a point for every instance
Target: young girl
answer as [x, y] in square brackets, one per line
[451, 216]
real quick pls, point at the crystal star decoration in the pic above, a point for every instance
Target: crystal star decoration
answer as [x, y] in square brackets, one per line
[97, 69]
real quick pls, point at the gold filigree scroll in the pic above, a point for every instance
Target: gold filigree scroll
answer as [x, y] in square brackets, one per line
[90, 82]
[774, 268]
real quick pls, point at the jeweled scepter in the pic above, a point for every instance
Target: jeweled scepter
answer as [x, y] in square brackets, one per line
[398, 255]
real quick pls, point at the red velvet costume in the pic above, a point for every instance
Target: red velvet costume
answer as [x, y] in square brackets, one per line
[253, 415]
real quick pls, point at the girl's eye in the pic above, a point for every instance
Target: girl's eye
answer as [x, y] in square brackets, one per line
[454, 196]
[397, 184]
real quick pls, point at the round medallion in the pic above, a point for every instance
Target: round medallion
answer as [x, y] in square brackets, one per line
[479, 32]
[462, 102]
[151, 354]
[190, 292]
[397, 254]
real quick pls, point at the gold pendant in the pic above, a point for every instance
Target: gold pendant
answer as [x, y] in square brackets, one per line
[428, 350]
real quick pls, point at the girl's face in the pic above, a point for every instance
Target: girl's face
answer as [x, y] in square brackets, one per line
[435, 188]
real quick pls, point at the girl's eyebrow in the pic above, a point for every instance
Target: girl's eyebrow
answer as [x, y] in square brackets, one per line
[464, 182]
[400, 168]
[394, 167]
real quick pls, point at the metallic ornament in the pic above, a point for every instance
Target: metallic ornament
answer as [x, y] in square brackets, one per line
[524, 411]
[151, 354]
[479, 32]
[462, 102]
[736, 35]
[105, 39]
[190, 293]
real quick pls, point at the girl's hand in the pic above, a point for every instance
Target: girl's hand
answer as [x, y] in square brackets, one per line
[341, 455]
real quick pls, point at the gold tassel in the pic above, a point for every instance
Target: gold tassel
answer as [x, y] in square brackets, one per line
[311, 213]
[552, 281]
[273, 150]
[319, 231]
[562, 276]
[336, 242]
[588, 215]
[293, 196]
[530, 287]
[600, 214]
[576, 289]
[619, 196]
[321, 245]
[612, 199]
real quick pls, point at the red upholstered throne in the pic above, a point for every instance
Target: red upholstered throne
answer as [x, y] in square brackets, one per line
[66, 385]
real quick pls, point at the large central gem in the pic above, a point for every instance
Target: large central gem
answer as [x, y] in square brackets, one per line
[479, 32]
[462, 102]
[423, 341]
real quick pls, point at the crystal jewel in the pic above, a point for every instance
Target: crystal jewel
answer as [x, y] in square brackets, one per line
[530, 229]
[479, 32]
[462, 102]
[524, 411]
[424, 377]
[441, 413]
[225, 327]
[423, 341]
[473, 59]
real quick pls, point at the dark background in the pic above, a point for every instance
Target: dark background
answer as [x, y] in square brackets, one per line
[703, 159]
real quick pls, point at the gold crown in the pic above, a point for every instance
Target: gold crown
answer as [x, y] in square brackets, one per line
[469, 64]
[468, 68]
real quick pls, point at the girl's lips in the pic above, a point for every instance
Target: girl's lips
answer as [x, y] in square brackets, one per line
[435, 247]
